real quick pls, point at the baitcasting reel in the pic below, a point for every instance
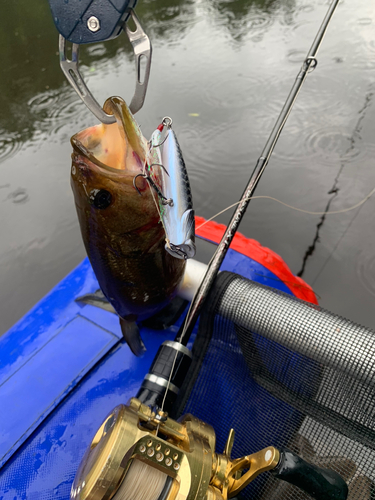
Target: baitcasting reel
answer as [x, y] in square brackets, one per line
[140, 453]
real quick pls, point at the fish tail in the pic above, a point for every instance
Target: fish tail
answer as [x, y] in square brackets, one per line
[130, 332]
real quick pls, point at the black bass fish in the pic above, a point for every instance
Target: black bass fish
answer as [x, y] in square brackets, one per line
[120, 223]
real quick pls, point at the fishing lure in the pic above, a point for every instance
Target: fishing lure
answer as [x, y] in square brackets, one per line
[177, 211]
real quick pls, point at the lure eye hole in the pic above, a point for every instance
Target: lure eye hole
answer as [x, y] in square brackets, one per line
[100, 198]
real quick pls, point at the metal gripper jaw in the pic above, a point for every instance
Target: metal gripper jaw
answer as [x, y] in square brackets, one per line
[142, 52]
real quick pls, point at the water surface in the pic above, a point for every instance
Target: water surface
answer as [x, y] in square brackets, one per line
[222, 69]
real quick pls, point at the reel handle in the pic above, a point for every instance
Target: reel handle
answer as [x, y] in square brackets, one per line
[320, 483]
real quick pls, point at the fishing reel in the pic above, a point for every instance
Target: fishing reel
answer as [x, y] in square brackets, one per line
[139, 453]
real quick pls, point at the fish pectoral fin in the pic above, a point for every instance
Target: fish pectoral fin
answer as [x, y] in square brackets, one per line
[167, 316]
[96, 299]
[130, 332]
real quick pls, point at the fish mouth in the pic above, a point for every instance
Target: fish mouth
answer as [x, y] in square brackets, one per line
[117, 147]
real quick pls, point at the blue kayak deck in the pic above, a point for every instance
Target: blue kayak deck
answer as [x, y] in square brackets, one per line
[63, 367]
[46, 354]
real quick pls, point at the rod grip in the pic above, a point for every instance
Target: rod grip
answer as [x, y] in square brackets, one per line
[323, 484]
[166, 375]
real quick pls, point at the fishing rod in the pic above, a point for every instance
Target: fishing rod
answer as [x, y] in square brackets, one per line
[140, 453]
[162, 383]
[308, 65]
[167, 373]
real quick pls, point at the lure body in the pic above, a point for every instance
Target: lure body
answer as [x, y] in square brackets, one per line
[178, 217]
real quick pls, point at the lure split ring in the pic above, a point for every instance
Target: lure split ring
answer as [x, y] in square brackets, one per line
[167, 121]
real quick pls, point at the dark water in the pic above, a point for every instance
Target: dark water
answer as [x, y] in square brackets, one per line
[222, 70]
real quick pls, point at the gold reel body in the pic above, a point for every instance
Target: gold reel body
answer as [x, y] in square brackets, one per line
[183, 450]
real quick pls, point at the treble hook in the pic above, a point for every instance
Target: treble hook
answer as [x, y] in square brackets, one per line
[161, 143]
[166, 122]
[160, 165]
[165, 201]
[178, 250]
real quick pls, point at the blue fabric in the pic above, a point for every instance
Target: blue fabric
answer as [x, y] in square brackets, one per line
[43, 467]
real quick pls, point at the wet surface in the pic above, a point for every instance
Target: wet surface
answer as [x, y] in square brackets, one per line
[222, 70]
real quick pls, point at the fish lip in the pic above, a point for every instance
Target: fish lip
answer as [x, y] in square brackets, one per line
[93, 164]
[130, 128]
[79, 148]
[131, 134]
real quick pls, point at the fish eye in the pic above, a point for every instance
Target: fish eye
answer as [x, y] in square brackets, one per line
[100, 198]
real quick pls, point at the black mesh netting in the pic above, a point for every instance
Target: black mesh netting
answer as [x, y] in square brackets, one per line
[285, 373]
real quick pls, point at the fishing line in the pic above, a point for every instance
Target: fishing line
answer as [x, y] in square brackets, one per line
[173, 365]
[176, 355]
[233, 205]
[135, 487]
[308, 64]
[168, 383]
[293, 208]
[282, 203]
[167, 240]
[196, 304]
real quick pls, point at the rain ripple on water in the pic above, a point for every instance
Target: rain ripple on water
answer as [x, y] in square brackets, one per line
[200, 161]
[18, 196]
[363, 51]
[242, 23]
[364, 21]
[366, 271]
[296, 56]
[326, 146]
[9, 144]
[333, 145]
[55, 109]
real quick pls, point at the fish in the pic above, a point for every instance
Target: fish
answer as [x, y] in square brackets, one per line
[120, 223]
[177, 211]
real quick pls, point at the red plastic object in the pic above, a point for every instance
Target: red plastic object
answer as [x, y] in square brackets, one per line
[214, 231]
